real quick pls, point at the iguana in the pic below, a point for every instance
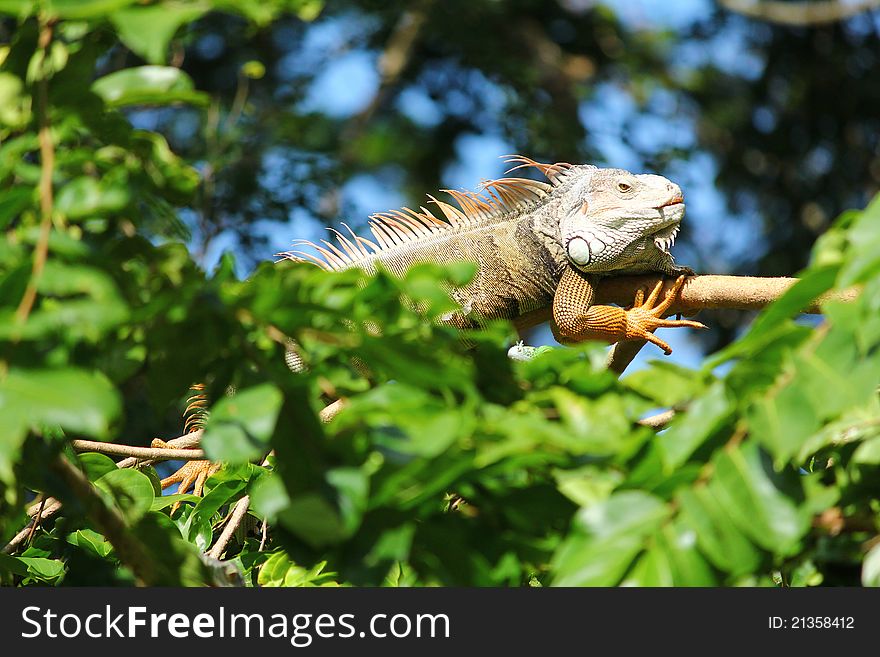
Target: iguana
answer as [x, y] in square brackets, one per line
[536, 244]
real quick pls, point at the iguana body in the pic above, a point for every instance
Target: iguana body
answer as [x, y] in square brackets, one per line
[535, 244]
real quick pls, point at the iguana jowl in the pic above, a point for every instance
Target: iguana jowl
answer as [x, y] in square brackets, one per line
[536, 244]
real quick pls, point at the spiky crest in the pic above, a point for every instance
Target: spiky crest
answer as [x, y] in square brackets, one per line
[497, 199]
[196, 414]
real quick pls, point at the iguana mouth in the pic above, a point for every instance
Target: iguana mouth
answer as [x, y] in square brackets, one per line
[665, 237]
[675, 200]
[672, 211]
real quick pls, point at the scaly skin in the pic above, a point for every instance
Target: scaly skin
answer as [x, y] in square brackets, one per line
[537, 245]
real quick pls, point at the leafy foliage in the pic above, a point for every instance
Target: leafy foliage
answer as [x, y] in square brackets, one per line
[451, 464]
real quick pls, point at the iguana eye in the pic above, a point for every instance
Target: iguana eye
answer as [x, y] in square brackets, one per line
[623, 187]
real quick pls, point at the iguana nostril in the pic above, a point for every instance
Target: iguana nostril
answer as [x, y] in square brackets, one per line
[578, 251]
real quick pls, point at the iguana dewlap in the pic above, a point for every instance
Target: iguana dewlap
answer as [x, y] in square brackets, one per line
[536, 244]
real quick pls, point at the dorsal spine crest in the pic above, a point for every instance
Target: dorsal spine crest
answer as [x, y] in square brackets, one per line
[499, 198]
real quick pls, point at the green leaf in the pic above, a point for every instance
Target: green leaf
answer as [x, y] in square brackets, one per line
[767, 326]
[279, 570]
[90, 541]
[782, 422]
[10, 565]
[15, 112]
[606, 538]
[239, 427]
[77, 401]
[174, 561]
[84, 303]
[47, 570]
[314, 519]
[198, 525]
[96, 465]
[18, 8]
[868, 452]
[704, 418]
[13, 431]
[84, 9]
[652, 569]
[682, 562]
[86, 197]
[324, 517]
[863, 258]
[164, 501]
[147, 85]
[132, 491]
[665, 383]
[269, 496]
[147, 31]
[352, 488]
[13, 202]
[717, 538]
[756, 500]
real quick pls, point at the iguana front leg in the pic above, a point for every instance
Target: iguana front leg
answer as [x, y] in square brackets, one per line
[575, 319]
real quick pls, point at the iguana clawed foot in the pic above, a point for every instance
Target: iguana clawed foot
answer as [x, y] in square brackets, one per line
[571, 324]
[646, 315]
[193, 473]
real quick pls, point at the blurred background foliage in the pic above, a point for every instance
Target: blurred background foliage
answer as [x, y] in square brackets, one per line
[155, 155]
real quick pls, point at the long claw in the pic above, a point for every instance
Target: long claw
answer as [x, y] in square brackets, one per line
[650, 337]
[655, 294]
[670, 297]
[672, 323]
[640, 298]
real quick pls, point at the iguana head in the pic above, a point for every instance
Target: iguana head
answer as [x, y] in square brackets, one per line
[617, 220]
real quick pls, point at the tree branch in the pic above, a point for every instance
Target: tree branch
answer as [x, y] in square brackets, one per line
[622, 354]
[699, 293]
[139, 453]
[799, 13]
[192, 439]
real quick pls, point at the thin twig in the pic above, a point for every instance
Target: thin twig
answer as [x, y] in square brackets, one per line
[658, 421]
[51, 508]
[47, 201]
[36, 521]
[264, 534]
[239, 511]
